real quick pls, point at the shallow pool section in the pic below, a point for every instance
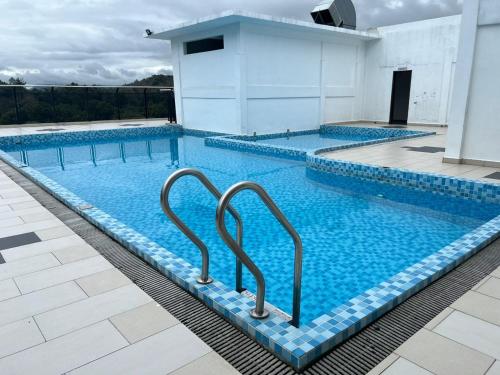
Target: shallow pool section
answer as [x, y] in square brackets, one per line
[297, 144]
[357, 234]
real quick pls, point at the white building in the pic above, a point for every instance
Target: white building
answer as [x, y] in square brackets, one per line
[242, 73]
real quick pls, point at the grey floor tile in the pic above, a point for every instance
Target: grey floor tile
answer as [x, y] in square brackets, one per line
[405, 367]
[75, 253]
[443, 356]
[63, 273]
[472, 332]
[491, 287]
[479, 305]
[41, 247]
[143, 321]
[74, 316]
[103, 281]
[28, 265]
[67, 352]
[18, 336]
[158, 354]
[18, 240]
[495, 369]
[38, 302]
[209, 364]
[8, 289]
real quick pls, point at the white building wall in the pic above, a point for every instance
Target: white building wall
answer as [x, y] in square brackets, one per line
[297, 81]
[474, 129]
[429, 49]
[207, 84]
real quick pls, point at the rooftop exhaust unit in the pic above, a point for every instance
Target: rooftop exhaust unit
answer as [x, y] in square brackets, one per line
[337, 13]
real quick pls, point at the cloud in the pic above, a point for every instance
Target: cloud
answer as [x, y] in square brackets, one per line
[101, 41]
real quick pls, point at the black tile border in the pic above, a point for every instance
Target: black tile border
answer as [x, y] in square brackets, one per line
[357, 355]
[18, 240]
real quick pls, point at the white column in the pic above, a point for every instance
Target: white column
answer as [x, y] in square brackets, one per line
[463, 73]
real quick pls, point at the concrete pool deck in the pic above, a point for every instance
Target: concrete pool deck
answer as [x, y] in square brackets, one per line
[455, 339]
[399, 154]
[65, 309]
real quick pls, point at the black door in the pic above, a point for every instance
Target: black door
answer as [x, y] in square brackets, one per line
[400, 102]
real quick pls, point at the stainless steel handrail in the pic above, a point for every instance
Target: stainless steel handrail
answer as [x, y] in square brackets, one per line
[204, 278]
[260, 312]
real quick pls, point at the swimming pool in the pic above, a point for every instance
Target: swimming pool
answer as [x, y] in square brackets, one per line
[357, 234]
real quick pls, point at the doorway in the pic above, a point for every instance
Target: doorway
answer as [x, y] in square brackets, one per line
[400, 100]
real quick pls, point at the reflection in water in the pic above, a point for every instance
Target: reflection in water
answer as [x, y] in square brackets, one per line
[171, 148]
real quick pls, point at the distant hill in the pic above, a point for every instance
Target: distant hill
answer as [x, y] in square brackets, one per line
[154, 80]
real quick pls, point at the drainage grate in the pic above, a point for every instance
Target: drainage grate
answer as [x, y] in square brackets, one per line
[128, 125]
[426, 149]
[357, 355]
[395, 126]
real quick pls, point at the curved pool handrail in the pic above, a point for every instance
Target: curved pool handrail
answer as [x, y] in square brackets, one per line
[260, 312]
[204, 278]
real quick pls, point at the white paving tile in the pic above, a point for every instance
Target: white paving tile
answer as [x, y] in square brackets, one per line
[479, 305]
[209, 364]
[20, 213]
[58, 275]
[68, 318]
[104, 281]
[23, 205]
[158, 354]
[41, 247]
[21, 267]
[31, 227]
[10, 222]
[405, 367]
[472, 332]
[38, 302]
[51, 233]
[443, 356]
[495, 369]
[67, 352]
[143, 321]
[75, 253]
[491, 287]
[18, 336]
[8, 289]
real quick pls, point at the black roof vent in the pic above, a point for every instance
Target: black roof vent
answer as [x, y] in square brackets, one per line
[338, 13]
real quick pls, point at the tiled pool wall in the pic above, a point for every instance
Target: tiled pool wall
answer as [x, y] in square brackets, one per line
[248, 143]
[296, 346]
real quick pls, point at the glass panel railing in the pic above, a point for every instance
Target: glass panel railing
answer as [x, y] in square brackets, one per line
[21, 104]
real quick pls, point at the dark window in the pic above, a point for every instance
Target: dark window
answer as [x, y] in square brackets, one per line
[204, 45]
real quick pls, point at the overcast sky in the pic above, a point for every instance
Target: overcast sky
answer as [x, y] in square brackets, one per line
[100, 41]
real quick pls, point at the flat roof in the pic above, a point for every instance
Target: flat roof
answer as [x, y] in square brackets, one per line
[236, 16]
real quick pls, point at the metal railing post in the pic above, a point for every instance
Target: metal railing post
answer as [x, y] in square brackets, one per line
[16, 105]
[260, 312]
[117, 103]
[204, 278]
[146, 103]
[53, 104]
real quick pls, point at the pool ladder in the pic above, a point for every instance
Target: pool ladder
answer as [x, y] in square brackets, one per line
[236, 245]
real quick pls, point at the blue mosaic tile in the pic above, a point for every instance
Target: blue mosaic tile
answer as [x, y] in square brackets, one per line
[296, 346]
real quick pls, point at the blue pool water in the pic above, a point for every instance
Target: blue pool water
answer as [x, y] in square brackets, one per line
[355, 233]
[315, 141]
